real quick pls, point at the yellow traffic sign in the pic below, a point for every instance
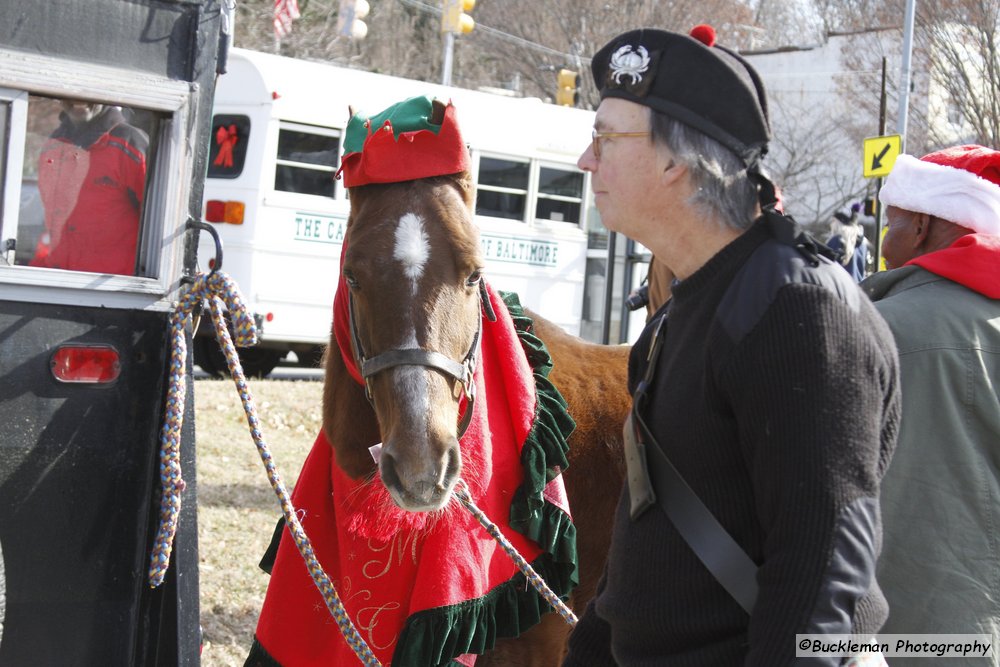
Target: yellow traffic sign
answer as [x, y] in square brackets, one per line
[880, 154]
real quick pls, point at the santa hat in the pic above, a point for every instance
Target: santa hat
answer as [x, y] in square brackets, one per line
[959, 184]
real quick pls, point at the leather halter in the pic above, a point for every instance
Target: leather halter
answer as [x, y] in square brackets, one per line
[463, 372]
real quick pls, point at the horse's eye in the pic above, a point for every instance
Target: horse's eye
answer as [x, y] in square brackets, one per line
[474, 278]
[352, 282]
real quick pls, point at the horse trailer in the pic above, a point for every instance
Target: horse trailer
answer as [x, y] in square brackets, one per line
[105, 108]
[273, 195]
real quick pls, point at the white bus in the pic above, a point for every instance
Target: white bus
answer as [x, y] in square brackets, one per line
[271, 193]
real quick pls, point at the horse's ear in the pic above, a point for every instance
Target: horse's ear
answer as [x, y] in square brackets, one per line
[350, 111]
[437, 112]
[467, 186]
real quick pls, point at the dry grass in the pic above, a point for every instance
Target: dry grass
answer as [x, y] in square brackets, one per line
[237, 509]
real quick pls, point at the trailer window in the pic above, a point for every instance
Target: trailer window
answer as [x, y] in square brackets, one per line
[228, 151]
[560, 194]
[502, 188]
[83, 183]
[307, 160]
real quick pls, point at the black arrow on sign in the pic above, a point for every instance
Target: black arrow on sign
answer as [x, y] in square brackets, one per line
[877, 159]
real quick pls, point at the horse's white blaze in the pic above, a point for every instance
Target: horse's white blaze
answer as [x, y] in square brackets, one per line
[412, 247]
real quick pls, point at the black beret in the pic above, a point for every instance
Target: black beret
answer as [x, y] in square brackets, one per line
[704, 86]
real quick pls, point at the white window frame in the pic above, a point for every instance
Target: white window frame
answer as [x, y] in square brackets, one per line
[319, 130]
[580, 201]
[166, 202]
[529, 211]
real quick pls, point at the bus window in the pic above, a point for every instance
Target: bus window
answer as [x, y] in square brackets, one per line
[83, 185]
[228, 151]
[502, 188]
[560, 193]
[307, 160]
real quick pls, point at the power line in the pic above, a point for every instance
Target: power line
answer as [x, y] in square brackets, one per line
[499, 34]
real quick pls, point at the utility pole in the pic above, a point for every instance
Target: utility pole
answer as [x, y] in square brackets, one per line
[454, 21]
[446, 58]
[904, 72]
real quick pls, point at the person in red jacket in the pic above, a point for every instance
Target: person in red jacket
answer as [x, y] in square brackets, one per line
[91, 179]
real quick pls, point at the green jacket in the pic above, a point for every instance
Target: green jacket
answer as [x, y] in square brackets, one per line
[940, 563]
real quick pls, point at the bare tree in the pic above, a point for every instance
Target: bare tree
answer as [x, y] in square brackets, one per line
[516, 45]
[960, 38]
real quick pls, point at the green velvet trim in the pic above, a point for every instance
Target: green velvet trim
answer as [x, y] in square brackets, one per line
[438, 636]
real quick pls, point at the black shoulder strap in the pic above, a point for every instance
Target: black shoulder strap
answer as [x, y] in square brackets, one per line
[709, 540]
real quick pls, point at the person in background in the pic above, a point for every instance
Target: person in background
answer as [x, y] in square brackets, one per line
[91, 179]
[941, 298]
[847, 239]
[749, 381]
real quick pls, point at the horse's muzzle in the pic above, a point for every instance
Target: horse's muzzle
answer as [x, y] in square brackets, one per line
[423, 491]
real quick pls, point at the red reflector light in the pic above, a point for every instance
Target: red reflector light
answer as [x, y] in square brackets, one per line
[215, 210]
[269, 317]
[232, 212]
[92, 364]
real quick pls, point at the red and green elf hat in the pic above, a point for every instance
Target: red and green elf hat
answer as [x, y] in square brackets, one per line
[402, 143]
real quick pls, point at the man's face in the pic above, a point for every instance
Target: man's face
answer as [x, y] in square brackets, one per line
[625, 177]
[899, 245]
[80, 112]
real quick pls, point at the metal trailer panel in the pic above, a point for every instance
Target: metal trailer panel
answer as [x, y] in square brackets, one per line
[79, 464]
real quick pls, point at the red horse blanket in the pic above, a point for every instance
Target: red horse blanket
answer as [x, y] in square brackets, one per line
[435, 589]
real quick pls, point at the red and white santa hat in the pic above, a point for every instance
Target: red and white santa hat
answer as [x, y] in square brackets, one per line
[959, 184]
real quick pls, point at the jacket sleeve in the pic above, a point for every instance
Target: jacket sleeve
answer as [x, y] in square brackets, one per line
[590, 641]
[810, 386]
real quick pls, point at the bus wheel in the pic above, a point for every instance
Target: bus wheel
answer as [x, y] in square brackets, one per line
[310, 358]
[257, 362]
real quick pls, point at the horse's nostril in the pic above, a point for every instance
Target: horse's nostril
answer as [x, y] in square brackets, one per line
[453, 468]
[387, 468]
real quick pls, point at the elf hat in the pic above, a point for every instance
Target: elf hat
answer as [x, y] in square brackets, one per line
[692, 80]
[415, 138]
[960, 184]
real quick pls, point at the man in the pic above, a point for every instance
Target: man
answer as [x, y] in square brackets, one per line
[91, 178]
[847, 238]
[767, 352]
[941, 298]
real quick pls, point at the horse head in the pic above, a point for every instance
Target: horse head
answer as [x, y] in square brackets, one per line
[413, 266]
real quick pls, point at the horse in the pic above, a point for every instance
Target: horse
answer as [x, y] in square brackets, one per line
[415, 295]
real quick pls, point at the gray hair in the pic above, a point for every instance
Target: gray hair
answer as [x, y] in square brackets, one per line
[722, 188]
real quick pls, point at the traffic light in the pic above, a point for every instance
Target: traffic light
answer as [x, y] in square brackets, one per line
[566, 94]
[870, 207]
[349, 23]
[453, 16]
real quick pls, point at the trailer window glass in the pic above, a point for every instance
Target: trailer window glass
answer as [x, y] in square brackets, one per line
[228, 151]
[307, 162]
[83, 185]
[560, 195]
[502, 188]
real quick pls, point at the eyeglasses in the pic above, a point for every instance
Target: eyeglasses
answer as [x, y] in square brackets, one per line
[595, 138]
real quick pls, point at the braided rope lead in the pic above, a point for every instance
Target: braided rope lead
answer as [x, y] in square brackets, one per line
[170, 473]
[462, 493]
